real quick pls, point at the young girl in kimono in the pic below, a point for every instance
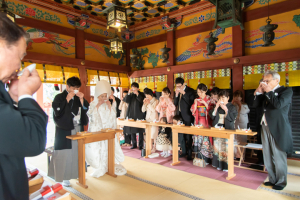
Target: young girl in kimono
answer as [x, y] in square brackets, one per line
[200, 110]
[224, 114]
[166, 107]
[102, 115]
[163, 142]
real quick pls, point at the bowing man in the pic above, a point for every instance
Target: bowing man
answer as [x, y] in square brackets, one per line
[23, 127]
[70, 115]
[275, 101]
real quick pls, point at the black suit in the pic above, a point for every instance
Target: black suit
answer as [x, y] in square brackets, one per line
[23, 134]
[276, 134]
[134, 111]
[185, 104]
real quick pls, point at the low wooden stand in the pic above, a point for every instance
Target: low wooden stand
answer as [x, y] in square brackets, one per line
[95, 137]
[241, 149]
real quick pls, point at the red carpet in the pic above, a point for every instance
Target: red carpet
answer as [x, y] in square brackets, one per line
[244, 178]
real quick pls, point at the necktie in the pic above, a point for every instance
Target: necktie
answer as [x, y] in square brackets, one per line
[179, 102]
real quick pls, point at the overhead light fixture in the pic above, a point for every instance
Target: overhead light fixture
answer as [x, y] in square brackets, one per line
[9, 14]
[116, 17]
[268, 30]
[116, 44]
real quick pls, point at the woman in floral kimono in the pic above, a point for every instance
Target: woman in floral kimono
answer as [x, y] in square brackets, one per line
[224, 114]
[200, 110]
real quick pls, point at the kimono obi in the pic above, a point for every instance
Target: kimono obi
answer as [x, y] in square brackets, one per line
[201, 111]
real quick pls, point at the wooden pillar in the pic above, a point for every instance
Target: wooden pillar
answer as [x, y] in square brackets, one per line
[128, 54]
[79, 44]
[170, 82]
[171, 44]
[238, 50]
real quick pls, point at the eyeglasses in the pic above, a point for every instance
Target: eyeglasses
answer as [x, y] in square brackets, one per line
[268, 81]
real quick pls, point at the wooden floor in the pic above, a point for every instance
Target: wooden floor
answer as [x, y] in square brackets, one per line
[160, 177]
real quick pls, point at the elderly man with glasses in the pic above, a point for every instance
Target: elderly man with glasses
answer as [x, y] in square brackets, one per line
[275, 101]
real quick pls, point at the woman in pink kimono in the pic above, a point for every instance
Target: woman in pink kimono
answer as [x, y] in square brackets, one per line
[200, 109]
[166, 107]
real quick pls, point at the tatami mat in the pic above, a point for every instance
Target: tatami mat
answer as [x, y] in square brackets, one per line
[126, 187]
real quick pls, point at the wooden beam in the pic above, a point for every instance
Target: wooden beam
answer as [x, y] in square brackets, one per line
[265, 58]
[171, 44]
[238, 43]
[237, 78]
[207, 26]
[147, 41]
[96, 38]
[34, 23]
[274, 9]
[73, 62]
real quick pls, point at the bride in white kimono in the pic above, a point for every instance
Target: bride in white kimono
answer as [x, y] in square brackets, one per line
[102, 115]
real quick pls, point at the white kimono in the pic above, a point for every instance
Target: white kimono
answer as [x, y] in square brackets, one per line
[96, 153]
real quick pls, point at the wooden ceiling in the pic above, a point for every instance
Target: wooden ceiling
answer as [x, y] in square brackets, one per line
[139, 12]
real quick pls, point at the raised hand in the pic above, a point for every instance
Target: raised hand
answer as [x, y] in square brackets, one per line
[29, 83]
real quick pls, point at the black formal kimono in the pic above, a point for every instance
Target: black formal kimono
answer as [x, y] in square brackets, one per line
[185, 103]
[64, 162]
[220, 159]
[22, 134]
[134, 111]
[63, 118]
[118, 101]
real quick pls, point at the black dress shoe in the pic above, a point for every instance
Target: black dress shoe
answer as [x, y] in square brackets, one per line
[133, 147]
[277, 187]
[268, 184]
[189, 158]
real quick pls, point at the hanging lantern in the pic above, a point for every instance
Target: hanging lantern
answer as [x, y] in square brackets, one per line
[116, 44]
[165, 54]
[269, 34]
[9, 14]
[134, 58]
[116, 17]
[211, 46]
[228, 13]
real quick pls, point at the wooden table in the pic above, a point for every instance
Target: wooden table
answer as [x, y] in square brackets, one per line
[95, 137]
[228, 134]
[147, 126]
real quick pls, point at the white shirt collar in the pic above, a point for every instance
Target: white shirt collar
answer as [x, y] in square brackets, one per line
[276, 87]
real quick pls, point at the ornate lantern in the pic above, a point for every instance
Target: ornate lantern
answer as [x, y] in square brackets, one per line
[268, 30]
[211, 46]
[116, 44]
[116, 17]
[269, 34]
[165, 54]
[228, 13]
[9, 14]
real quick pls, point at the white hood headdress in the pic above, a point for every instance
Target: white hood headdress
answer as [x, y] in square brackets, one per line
[101, 88]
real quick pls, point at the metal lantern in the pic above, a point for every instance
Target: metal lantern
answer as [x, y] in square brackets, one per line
[165, 54]
[116, 44]
[116, 17]
[228, 13]
[9, 14]
[269, 34]
[211, 46]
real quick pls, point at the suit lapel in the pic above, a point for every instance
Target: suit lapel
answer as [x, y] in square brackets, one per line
[5, 94]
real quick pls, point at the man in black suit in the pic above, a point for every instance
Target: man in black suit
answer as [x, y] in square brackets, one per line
[184, 100]
[118, 101]
[277, 141]
[23, 127]
[135, 99]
